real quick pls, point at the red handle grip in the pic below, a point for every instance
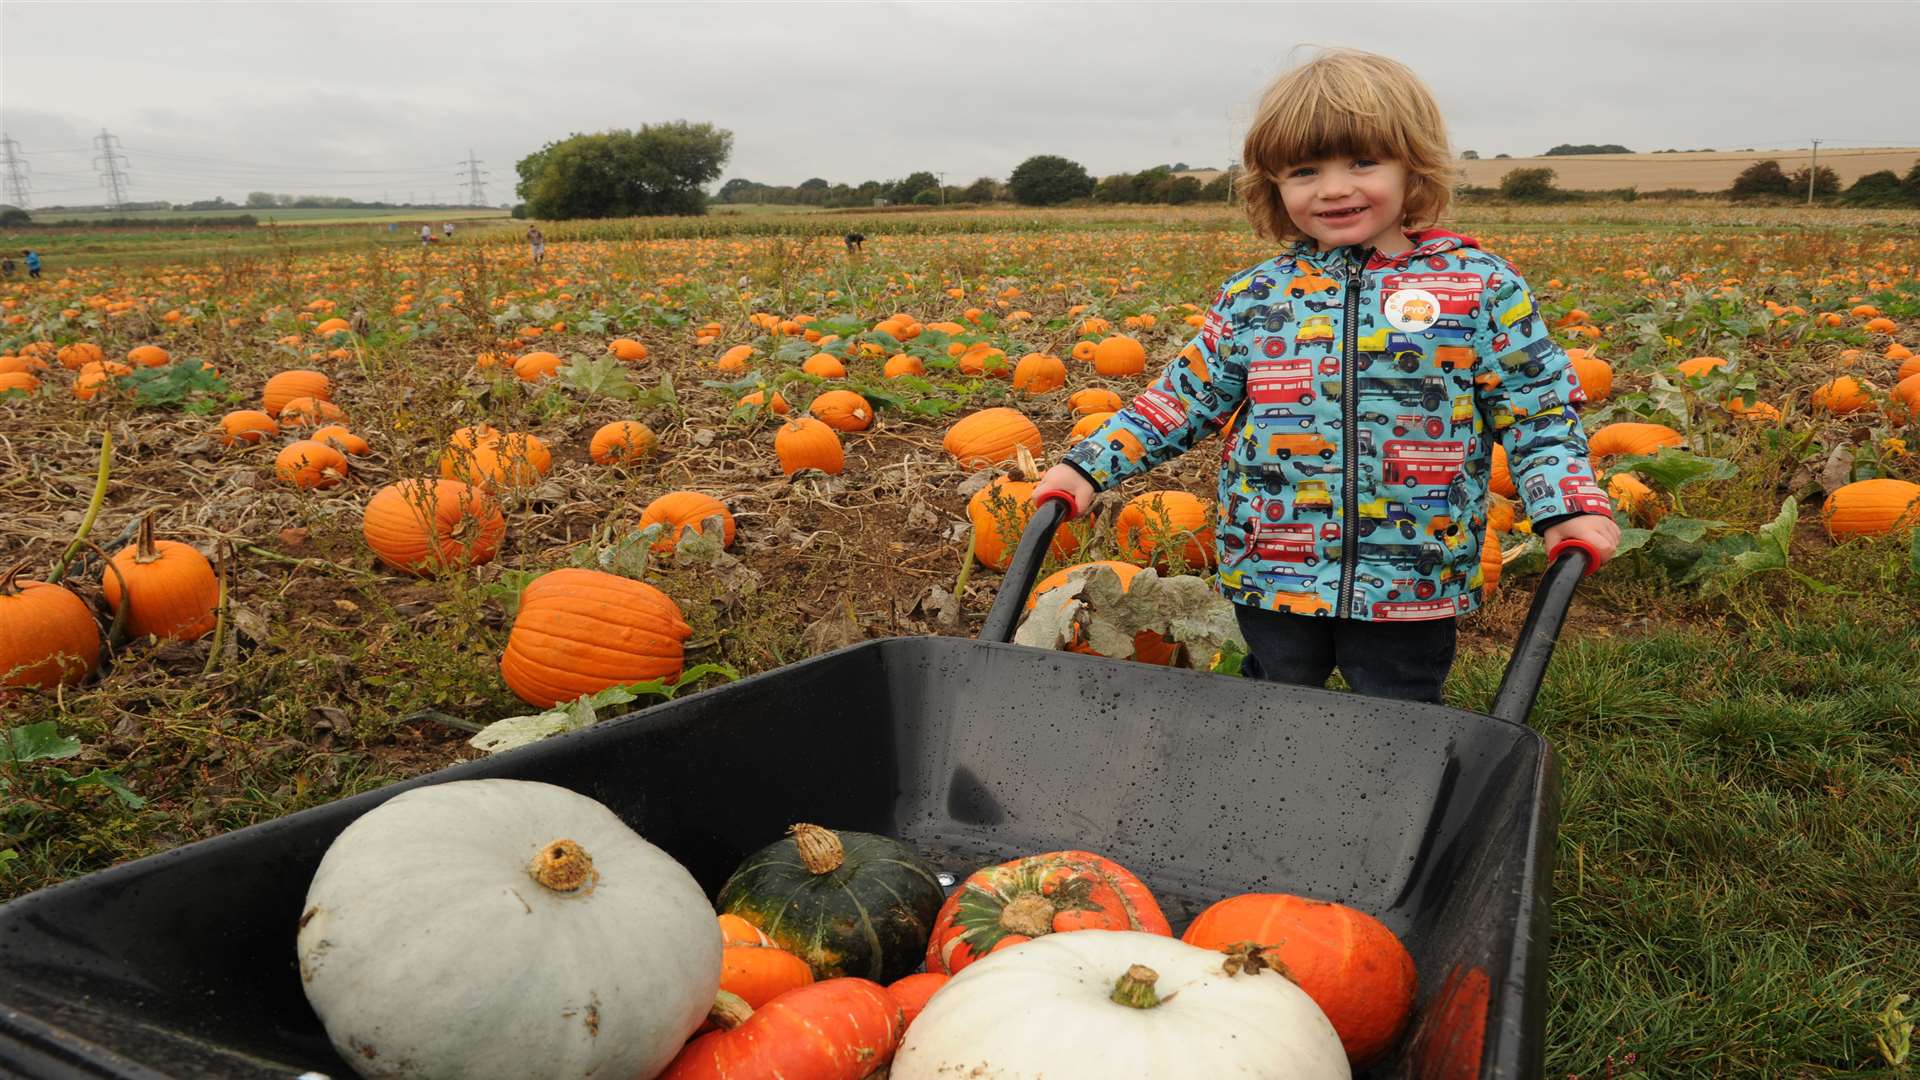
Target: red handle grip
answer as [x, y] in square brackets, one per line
[1073, 504]
[1593, 554]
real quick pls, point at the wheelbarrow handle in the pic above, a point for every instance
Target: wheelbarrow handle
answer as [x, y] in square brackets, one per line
[1569, 561]
[1055, 507]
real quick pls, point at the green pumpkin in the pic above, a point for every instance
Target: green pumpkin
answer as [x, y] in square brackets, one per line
[847, 903]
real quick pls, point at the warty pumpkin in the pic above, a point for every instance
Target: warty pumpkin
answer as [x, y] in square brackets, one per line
[296, 383]
[586, 951]
[581, 631]
[425, 526]
[1017, 901]
[1120, 1004]
[848, 903]
[683, 510]
[1871, 508]
[310, 464]
[47, 634]
[1347, 961]
[170, 588]
[840, 1029]
[991, 437]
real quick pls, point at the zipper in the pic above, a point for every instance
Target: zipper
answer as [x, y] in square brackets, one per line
[1350, 437]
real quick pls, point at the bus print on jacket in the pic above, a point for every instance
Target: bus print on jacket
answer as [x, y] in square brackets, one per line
[1360, 395]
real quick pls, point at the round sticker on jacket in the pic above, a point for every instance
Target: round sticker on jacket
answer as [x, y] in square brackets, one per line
[1412, 310]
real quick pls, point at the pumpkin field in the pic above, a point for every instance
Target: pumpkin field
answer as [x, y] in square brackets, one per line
[328, 513]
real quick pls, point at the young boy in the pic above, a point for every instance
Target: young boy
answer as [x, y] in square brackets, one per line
[1361, 377]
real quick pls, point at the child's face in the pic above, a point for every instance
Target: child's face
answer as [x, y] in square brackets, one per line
[1342, 201]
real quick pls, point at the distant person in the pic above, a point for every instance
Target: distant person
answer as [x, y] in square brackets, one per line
[854, 240]
[6, 267]
[447, 228]
[426, 235]
[537, 242]
[33, 263]
[389, 226]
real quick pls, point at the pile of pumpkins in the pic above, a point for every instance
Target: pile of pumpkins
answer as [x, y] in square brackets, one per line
[593, 953]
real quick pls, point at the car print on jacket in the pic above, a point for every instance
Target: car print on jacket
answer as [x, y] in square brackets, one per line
[1356, 455]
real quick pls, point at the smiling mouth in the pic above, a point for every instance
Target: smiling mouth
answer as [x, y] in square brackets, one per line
[1342, 215]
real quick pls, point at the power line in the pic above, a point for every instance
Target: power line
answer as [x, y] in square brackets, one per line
[109, 161]
[477, 195]
[19, 191]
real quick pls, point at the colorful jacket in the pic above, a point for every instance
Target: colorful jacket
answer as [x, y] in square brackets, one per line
[1357, 392]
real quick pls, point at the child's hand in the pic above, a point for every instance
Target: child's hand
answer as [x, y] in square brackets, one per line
[1592, 529]
[1067, 480]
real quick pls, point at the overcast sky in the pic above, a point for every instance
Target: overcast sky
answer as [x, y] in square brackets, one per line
[384, 100]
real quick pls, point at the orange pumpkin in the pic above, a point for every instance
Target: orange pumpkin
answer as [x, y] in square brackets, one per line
[683, 510]
[1841, 396]
[1086, 402]
[627, 350]
[1636, 498]
[290, 385]
[536, 365]
[1500, 481]
[423, 526]
[1490, 561]
[1084, 427]
[308, 411]
[514, 459]
[47, 634]
[1871, 508]
[825, 365]
[735, 930]
[1347, 961]
[760, 973]
[1039, 373]
[1148, 646]
[838, 1029]
[622, 442]
[900, 364]
[1595, 374]
[342, 440]
[148, 356]
[1001, 906]
[759, 398]
[842, 410]
[80, 354]
[170, 588]
[1700, 366]
[991, 437]
[1119, 355]
[1907, 393]
[913, 992]
[1137, 528]
[18, 381]
[581, 631]
[1003, 508]
[806, 443]
[1631, 438]
[308, 464]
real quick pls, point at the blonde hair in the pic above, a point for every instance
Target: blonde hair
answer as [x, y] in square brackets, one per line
[1346, 103]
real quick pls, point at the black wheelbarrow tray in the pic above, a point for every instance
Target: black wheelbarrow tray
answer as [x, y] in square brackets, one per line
[1438, 821]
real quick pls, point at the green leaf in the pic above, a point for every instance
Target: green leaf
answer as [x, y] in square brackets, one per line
[506, 591]
[583, 711]
[171, 384]
[1671, 469]
[1686, 528]
[602, 377]
[1773, 540]
[661, 396]
[1632, 538]
[113, 783]
[36, 742]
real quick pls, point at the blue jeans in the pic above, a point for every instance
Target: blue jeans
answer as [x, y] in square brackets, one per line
[1406, 660]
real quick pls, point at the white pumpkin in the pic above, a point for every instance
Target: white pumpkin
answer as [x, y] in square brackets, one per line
[502, 928]
[1048, 1008]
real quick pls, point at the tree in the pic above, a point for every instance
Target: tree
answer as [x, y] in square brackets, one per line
[983, 190]
[909, 189]
[736, 190]
[1183, 190]
[1825, 182]
[1217, 189]
[1529, 185]
[13, 215]
[1760, 178]
[658, 169]
[1910, 183]
[260, 198]
[1179, 166]
[1586, 148]
[1469, 155]
[1877, 189]
[814, 184]
[1047, 179]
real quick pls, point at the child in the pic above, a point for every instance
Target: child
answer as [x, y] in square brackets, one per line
[1360, 376]
[33, 263]
[537, 242]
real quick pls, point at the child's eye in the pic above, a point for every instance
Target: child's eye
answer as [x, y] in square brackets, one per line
[1361, 163]
[1300, 170]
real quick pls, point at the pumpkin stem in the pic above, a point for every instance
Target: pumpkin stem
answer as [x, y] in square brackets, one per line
[819, 848]
[7, 587]
[1031, 915]
[144, 551]
[729, 1011]
[564, 867]
[1135, 988]
[1250, 958]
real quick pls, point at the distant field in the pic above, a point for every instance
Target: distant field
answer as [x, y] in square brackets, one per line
[1654, 172]
[280, 215]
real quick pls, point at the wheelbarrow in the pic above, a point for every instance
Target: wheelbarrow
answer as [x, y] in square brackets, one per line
[1438, 821]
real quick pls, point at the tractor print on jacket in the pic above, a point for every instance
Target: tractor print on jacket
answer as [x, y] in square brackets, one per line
[1360, 395]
